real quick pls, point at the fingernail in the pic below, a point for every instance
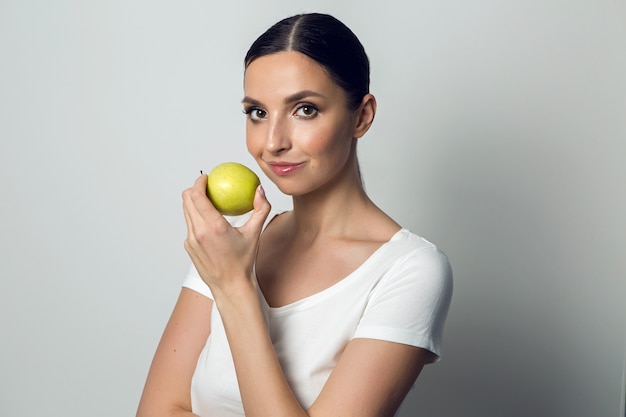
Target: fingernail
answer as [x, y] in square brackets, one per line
[261, 190]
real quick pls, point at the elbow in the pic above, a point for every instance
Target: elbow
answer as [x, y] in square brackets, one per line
[153, 410]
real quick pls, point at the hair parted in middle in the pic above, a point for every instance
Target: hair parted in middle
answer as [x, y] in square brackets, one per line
[327, 41]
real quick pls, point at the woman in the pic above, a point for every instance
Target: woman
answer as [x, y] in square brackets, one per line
[331, 308]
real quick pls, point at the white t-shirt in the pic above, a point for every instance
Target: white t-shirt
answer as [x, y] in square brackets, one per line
[401, 293]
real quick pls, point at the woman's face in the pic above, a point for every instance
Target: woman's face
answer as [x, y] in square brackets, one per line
[299, 128]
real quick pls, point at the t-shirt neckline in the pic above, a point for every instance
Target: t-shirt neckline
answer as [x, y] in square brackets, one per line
[320, 295]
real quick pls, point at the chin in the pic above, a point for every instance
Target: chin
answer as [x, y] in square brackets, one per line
[290, 191]
[292, 188]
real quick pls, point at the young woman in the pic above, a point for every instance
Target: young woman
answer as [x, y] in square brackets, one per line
[330, 309]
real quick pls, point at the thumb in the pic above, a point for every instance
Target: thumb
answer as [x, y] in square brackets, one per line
[262, 209]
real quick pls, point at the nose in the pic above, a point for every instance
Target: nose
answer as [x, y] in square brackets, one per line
[277, 141]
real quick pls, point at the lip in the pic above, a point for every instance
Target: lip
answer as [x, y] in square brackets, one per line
[284, 168]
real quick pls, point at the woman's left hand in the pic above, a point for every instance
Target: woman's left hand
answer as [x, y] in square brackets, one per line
[223, 255]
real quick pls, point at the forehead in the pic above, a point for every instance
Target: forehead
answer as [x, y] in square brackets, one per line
[285, 73]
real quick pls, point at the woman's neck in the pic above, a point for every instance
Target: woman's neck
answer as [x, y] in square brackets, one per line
[336, 210]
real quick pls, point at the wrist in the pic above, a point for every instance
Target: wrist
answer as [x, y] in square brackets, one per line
[238, 292]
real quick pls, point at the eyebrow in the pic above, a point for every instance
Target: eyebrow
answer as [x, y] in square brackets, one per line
[289, 99]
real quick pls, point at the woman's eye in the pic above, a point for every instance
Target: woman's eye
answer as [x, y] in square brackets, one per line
[256, 114]
[306, 111]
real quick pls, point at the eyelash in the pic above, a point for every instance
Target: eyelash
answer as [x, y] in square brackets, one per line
[250, 112]
[307, 106]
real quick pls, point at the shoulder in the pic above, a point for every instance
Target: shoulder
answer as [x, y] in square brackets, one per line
[410, 247]
[413, 258]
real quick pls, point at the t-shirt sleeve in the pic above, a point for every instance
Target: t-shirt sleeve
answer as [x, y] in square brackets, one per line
[411, 302]
[194, 282]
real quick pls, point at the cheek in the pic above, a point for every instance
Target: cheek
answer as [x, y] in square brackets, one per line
[327, 137]
[332, 141]
[329, 152]
[252, 142]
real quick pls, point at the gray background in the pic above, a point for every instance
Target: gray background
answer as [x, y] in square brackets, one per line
[500, 136]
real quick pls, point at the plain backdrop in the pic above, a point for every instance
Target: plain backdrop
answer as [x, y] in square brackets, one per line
[500, 136]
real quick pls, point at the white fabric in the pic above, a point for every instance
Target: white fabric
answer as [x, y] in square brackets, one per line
[400, 294]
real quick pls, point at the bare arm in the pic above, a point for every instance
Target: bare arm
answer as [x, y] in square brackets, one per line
[372, 376]
[168, 386]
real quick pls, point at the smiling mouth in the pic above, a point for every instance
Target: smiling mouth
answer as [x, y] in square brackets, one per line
[284, 168]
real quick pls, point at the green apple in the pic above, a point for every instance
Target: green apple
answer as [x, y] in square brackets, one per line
[231, 187]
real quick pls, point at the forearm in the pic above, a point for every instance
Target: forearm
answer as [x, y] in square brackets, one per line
[264, 389]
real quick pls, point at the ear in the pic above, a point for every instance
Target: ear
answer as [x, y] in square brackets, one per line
[364, 116]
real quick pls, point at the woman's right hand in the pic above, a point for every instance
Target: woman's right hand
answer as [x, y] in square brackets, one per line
[223, 255]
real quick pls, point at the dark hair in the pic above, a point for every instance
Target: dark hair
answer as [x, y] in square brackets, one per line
[326, 40]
